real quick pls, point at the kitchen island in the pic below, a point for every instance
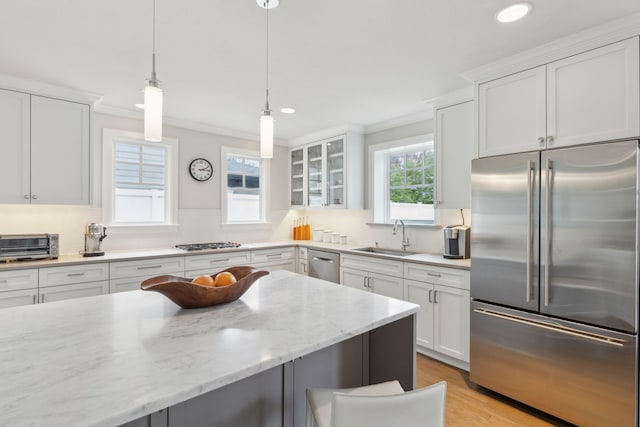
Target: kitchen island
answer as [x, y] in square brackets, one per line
[137, 358]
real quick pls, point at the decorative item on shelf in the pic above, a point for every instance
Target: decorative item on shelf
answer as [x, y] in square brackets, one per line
[266, 120]
[153, 96]
[187, 294]
[200, 169]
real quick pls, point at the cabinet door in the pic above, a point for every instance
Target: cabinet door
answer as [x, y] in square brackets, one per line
[14, 146]
[593, 96]
[335, 173]
[455, 137]
[315, 175]
[81, 290]
[59, 151]
[451, 321]
[16, 298]
[354, 278]
[302, 267]
[422, 294]
[512, 113]
[296, 172]
[386, 285]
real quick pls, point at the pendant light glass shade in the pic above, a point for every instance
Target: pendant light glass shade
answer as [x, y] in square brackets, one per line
[153, 113]
[266, 135]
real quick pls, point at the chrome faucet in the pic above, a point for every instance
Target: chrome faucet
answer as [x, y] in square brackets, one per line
[394, 230]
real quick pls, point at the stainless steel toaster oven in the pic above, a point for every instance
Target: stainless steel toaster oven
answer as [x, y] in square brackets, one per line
[17, 247]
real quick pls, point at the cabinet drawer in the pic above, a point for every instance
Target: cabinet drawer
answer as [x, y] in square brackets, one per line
[270, 255]
[67, 275]
[372, 264]
[216, 262]
[146, 267]
[14, 280]
[288, 265]
[78, 290]
[439, 275]
[133, 283]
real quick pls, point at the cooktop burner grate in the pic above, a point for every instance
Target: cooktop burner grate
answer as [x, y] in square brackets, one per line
[205, 246]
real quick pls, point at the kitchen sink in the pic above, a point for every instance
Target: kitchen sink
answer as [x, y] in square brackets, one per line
[382, 251]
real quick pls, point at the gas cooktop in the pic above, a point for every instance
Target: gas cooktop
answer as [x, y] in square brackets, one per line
[205, 246]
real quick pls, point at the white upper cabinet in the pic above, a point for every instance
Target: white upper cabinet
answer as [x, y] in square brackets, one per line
[512, 113]
[328, 173]
[455, 130]
[594, 96]
[59, 151]
[590, 97]
[45, 150]
[14, 146]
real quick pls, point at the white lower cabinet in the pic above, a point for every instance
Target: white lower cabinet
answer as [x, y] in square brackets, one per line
[373, 282]
[443, 317]
[18, 287]
[128, 275]
[302, 263]
[275, 259]
[73, 281]
[209, 264]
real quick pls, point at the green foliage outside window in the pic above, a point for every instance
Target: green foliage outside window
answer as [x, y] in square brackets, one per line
[411, 177]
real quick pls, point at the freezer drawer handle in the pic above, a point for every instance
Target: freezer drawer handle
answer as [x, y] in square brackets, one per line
[330, 261]
[551, 327]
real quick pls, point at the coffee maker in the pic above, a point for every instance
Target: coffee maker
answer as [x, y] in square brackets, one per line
[457, 241]
[94, 234]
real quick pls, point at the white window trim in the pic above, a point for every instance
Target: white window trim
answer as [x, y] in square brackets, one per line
[171, 191]
[265, 174]
[378, 206]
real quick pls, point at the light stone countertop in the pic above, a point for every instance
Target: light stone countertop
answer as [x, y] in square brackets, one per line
[109, 359]
[127, 255]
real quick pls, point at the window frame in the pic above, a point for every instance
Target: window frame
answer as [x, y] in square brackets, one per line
[265, 174]
[109, 138]
[379, 178]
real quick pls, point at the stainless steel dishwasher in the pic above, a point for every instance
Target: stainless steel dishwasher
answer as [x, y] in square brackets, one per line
[324, 265]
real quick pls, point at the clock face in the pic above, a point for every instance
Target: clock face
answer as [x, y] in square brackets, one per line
[201, 169]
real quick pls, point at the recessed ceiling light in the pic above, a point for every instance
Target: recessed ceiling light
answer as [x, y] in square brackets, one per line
[287, 110]
[513, 13]
[140, 106]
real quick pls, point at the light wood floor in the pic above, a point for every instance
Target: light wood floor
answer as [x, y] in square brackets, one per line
[468, 405]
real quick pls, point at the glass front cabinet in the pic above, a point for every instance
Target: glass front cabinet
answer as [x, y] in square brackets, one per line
[319, 175]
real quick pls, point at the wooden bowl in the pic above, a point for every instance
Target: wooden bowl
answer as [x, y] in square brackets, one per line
[191, 295]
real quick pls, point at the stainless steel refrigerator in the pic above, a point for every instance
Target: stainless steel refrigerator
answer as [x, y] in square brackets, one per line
[554, 281]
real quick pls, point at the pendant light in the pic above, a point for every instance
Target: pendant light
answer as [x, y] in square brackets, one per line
[266, 120]
[153, 96]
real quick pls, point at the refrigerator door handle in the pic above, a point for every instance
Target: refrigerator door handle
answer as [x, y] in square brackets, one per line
[553, 327]
[530, 182]
[547, 233]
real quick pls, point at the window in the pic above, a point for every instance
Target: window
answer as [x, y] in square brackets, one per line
[404, 180]
[140, 180]
[244, 196]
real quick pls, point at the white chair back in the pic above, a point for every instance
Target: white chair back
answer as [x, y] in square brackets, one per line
[418, 408]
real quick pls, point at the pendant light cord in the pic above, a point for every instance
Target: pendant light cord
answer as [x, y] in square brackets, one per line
[266, 106]
[153, 48]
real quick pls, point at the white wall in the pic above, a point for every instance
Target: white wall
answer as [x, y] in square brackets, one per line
[199, 202]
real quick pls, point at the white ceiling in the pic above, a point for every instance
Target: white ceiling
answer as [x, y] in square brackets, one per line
[336, 62]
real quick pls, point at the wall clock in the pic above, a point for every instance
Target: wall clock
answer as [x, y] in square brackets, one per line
[201, 169]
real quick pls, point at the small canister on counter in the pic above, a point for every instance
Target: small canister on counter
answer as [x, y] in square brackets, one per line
[335, 237]
[317, 235]
[326, 236]
[343, 239]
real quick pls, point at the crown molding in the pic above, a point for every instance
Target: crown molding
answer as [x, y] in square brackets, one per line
[33, 87]
[573, 44]
[324, 134]
[459, 96]
[419, 116]
[185, 124]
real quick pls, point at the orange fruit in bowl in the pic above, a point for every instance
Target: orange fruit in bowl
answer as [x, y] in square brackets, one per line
[204, 281]
[224, 279]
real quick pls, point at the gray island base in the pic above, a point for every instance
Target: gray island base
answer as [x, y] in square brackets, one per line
[137, 359]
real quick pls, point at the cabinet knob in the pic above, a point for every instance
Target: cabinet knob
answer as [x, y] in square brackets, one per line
[550, 139]
[541, 141]
[34, 197]
[26, 196]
